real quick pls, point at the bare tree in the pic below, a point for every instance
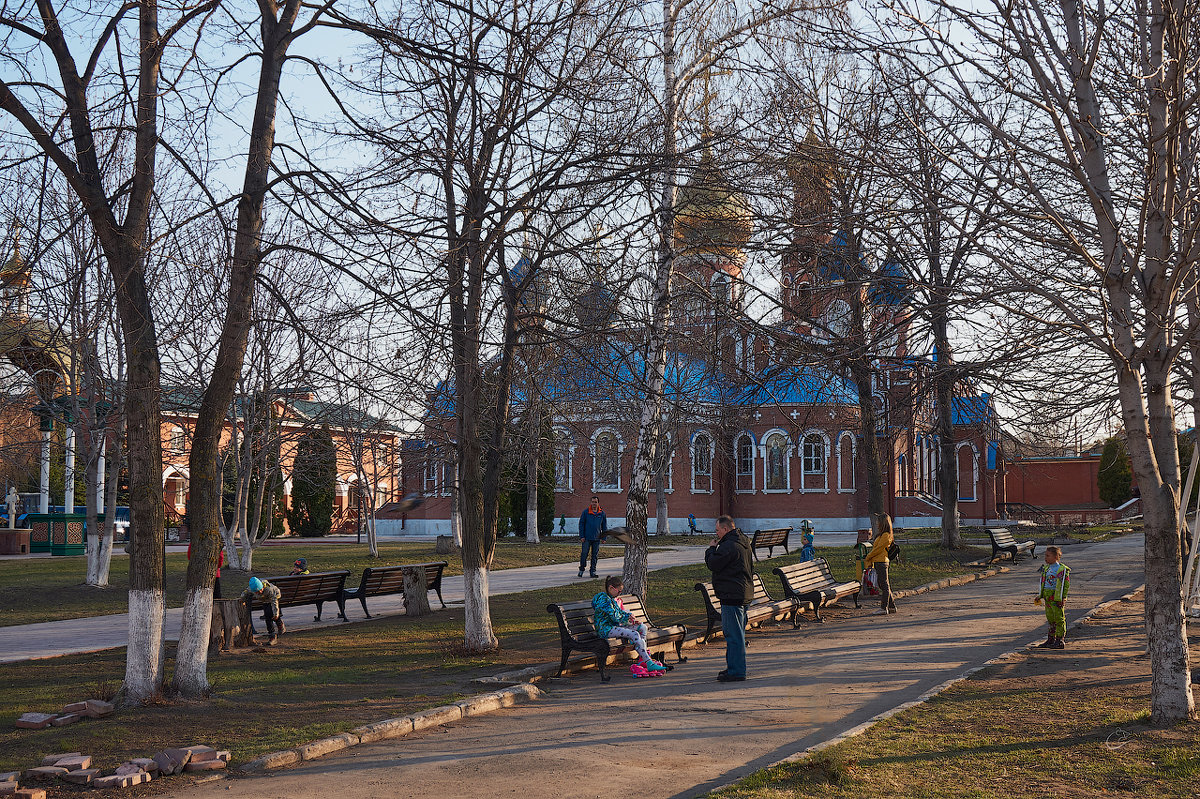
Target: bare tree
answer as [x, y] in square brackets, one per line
[496, 111]
[1100, 189]
[69, 114]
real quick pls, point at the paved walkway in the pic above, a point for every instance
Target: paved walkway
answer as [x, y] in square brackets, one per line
[683, 734]
[50, 639]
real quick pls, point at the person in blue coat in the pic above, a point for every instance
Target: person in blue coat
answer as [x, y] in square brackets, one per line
[593, 524]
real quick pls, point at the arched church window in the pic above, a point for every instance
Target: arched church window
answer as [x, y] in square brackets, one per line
[702, 463]
[562, 461]
[743, 457]
[776, 448]
[814, 462]
[606, 474]
[177, 439]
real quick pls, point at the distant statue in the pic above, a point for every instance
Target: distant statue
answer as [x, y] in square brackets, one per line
[14, 500]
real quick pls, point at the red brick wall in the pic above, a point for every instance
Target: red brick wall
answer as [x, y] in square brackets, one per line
[1053, 482]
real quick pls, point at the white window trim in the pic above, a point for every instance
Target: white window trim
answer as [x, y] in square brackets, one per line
[448, 465]
[737, 456]
[620, 455]
[825, 442]
[845, 434]
[429, 485]
[789, 451]
[712, 452]
[974, 472]
[561, 436]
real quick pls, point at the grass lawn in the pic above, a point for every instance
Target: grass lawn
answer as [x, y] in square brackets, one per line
[49, 589]
[1070, 724]
[322, 681]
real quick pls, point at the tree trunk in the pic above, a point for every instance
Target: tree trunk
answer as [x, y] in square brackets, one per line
[868, 423]
[635, 566]
[191, 668]
[531, 498]
[416, 597]
[144, 664]
[112, 482]
[943, 380]
[662, 519]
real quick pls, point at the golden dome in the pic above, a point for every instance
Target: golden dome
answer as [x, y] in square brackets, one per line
[16, 273]
[811, 170]
[710, 215]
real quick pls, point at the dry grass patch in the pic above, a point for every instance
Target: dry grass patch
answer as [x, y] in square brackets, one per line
[1066, 724]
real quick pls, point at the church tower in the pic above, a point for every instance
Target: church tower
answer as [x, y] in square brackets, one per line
[810, 171]
[713, 225]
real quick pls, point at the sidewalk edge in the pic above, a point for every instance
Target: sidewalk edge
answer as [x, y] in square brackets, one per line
[477, 705]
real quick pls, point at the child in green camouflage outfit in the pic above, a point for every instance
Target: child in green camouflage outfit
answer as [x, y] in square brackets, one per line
[1054, 581]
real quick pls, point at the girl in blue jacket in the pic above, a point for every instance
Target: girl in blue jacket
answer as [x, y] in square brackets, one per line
[613, 621]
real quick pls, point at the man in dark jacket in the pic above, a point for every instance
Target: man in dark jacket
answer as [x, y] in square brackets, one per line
[729, 558]
[593, 524]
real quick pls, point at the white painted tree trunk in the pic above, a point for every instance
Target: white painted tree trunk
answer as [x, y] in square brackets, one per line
[531, 500]
[144, 675]
[112, 483]
[455, 513]
[191, 660]
[479, 633]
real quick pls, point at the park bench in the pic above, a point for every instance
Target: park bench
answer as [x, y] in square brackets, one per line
[577, 631]
[1003, 541]
[386, 580]
[762, 607]
[813, 584]
[309, 589]
[769, 539]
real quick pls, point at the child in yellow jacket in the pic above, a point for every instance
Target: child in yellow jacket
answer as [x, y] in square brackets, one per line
[1054, 581]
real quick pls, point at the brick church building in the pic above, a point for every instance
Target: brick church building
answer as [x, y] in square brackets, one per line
[758, 425]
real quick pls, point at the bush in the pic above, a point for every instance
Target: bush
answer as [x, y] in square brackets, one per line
[314, 483]
[1115, 481]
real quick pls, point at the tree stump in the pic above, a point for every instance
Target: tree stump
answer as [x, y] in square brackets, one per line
[445, 545]
[230, 625]
[416, 597]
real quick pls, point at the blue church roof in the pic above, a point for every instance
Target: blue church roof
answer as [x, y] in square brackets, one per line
[972, 410]
[614, 372]
[891, 286]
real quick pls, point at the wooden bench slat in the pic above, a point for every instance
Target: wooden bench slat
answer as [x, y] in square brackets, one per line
[389, 580]
[762, 607]
[812, 584]
[577, 631]
[769, 539]
[1003, 541]
[309, 589]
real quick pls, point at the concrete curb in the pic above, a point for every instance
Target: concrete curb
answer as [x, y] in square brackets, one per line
[854, 732]
[395, 728]
[951, 582]
[543, 670]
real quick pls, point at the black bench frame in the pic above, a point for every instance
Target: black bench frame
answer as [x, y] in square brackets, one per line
[577, 631]
[1003, 541]
[318, 588]
[388, 580]
[769, 539]
[815, 590]
[762, 608]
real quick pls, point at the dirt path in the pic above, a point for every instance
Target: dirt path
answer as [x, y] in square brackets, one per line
[686, 733]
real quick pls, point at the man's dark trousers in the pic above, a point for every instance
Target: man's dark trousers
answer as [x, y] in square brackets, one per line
[733, 627]
[594, 547]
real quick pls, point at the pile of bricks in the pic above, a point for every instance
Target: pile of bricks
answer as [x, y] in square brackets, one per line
[88, 709]
[76, 768]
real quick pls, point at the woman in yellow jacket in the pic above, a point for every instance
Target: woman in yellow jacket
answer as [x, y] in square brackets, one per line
[878, 557]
